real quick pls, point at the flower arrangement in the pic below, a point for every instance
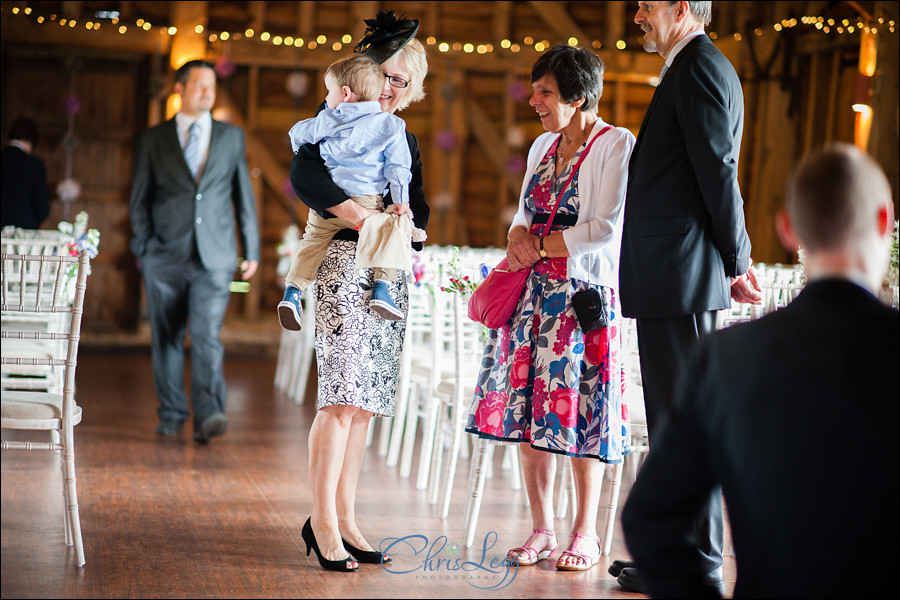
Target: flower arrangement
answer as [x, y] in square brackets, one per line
[459, 283]
[287, 249]
[417, 274]
[78, 238]
[893, 273]
[889, 285]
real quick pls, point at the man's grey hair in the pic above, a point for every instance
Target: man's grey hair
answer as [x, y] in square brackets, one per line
[702, 11]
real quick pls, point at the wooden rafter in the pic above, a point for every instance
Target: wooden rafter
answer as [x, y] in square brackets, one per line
[555, 15]
[490, 140]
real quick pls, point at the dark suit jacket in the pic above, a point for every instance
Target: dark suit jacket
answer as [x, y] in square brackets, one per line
[796, 416]
[684, 231]
[25, 199]
[170, 212]
[313, 185]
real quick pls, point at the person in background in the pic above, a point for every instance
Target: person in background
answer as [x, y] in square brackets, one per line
[685, 250]
[26, 201]
[803, 486]
[191, 190]
[365, 150]
[545, 382]
[357, 352]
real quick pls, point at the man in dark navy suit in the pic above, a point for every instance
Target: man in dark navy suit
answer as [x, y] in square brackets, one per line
[685, 249]
[795, 416]
[26, 202]
[191, 189]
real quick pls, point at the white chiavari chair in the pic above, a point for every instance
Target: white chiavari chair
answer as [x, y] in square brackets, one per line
[415, 356]
[297, 351]
[34, 377]
[38, 284]
[425, 375]
[452, 399]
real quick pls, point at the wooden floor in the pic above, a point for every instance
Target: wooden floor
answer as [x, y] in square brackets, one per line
[167, 518]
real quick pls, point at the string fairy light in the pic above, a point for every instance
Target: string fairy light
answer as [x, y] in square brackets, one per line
[101, 19]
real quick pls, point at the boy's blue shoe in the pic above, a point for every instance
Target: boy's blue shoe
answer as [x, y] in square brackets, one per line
[290, 313]
[381, 303]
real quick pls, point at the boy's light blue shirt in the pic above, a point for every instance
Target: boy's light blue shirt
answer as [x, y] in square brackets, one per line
[364, 148]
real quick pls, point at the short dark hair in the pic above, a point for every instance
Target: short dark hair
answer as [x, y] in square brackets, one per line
[578, 72]
[24, 129]
[184, 71]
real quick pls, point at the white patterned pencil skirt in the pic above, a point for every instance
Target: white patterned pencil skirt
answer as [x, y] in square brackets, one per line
[358, 352]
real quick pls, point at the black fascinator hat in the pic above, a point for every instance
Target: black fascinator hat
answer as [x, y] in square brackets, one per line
[385, 35]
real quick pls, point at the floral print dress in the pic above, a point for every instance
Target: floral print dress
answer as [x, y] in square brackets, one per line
[542, 381]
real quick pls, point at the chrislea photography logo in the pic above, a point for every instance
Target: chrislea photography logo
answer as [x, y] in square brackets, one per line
[440, 560]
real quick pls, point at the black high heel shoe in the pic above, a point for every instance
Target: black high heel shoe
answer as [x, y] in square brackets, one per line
[370, 557]
[329, 565]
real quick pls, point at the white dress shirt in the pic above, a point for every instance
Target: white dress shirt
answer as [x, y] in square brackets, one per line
[183, 124]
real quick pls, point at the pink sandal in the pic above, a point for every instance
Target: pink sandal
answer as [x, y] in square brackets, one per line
[530, 551]
[586, 561]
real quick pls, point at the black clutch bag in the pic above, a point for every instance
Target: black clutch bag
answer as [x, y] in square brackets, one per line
[590, 308]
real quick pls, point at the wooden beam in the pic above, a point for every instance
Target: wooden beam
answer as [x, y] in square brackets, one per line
[507, 181]
[19, 29]
[72, 10]
[834, 81]
[361, 11]
[555, 15]
[306, 21]
[271, 169]
[253, 97]
[615, 24]
[444, 173]
[491, 141]
[620, 98]
[501, 23]
[187, 44]
[257, 16]
[811, 101]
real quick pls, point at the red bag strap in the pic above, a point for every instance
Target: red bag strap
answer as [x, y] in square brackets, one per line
[571, 175]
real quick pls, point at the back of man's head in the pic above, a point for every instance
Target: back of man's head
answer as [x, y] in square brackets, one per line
[25, 130]
[834, 197]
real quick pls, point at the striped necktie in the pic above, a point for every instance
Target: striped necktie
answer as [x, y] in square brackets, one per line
[192, 149]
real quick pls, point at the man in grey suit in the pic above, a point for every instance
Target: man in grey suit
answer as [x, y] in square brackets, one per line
[191, 187]
[803, 436]
[685, 249]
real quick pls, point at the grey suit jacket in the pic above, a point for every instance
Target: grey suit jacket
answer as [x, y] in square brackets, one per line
[170, 212]
[684, 232]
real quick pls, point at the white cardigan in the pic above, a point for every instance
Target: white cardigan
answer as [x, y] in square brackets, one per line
[595, 240]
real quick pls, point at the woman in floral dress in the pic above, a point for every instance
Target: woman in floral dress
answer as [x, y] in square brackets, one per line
[544, 382]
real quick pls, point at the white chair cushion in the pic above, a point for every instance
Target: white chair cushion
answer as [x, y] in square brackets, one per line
[35, 405]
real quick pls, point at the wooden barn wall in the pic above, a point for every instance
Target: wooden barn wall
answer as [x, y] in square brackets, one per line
[474, 126]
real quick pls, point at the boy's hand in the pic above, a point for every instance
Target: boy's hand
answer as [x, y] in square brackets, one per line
[401, 209]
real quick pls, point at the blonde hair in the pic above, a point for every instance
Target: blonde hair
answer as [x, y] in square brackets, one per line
[834, 196]
[360, 73]
[416, 62]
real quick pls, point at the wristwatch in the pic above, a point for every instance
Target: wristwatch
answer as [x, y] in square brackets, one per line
[542, 252]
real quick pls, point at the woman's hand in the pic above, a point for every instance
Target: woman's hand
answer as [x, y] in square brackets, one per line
[521, 249]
